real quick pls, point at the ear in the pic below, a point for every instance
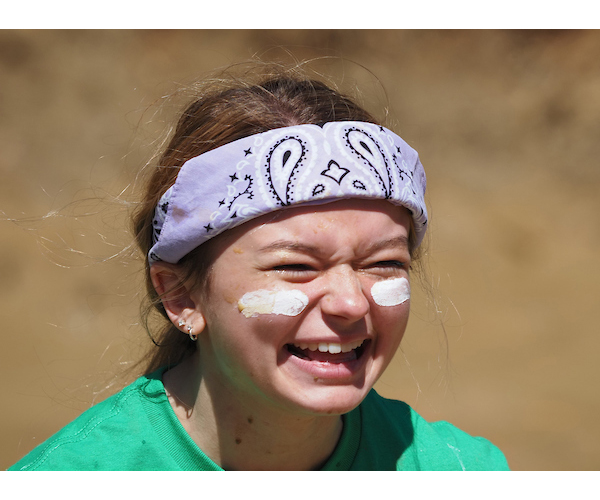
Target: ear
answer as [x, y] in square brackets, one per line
[179, 303]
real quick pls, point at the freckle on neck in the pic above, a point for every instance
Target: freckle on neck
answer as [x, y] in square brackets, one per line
[250, 420]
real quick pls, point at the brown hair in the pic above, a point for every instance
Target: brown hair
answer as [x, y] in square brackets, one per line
[217, 116]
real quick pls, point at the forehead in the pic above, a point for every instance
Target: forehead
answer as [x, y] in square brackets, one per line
[342, 222]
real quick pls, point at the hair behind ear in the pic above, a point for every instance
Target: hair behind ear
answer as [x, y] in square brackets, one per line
[179, 301]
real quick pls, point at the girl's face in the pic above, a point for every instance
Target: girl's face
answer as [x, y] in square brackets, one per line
[307, 306]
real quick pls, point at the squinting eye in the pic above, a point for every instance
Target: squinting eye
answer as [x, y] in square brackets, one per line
[389, 267]
[293, 268]
[390, 263]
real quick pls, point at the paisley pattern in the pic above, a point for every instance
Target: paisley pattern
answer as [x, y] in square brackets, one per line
[368, 151]
[281, 166]
[284, 167]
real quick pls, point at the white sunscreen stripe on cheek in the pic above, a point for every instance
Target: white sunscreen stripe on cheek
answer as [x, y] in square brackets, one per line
[285, 302]
[391, 292]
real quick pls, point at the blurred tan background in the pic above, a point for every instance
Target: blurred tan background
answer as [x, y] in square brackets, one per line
[507, 124]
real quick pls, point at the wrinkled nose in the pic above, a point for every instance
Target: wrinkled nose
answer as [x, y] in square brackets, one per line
[344, 295]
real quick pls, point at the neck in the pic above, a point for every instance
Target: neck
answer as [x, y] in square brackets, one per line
[239, 436]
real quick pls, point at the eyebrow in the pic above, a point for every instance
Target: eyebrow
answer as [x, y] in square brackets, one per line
[400, 241]
[289, 245]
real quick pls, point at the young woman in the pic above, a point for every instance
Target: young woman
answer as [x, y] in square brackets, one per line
[280, 227]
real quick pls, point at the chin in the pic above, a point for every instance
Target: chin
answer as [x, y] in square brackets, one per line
[323, 399]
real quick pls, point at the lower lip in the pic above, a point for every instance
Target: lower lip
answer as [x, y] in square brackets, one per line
[330, 371]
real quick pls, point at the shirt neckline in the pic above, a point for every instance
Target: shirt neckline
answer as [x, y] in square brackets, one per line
[189, 456]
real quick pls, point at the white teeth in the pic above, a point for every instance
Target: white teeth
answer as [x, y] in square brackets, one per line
[335, 348]
[331, 348]
[349, 347]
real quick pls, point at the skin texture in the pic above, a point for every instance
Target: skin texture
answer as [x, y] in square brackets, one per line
[245, 398]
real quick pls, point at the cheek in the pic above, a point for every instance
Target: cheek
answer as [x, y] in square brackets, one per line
[390, 309]
[263, 319]
[390, 321]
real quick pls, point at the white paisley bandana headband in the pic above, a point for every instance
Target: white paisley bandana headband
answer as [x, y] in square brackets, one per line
[285, 167]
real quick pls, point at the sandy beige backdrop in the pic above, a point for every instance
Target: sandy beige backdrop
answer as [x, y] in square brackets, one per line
[508, 127]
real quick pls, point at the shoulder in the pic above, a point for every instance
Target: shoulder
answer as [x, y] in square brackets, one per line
[415, 444]
[471, 452]
[88, 442]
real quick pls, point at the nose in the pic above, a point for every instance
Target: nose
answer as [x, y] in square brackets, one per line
[344, 296]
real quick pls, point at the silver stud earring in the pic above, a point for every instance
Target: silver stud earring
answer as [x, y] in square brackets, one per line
[192, 335]
[181, 323]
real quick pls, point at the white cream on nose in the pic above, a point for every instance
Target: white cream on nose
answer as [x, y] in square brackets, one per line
[391, 292]
[285, 302]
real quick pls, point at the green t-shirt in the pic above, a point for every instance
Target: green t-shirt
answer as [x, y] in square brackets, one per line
[136, 429]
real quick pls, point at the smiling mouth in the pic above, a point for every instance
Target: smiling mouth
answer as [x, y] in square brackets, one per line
[329, 352]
